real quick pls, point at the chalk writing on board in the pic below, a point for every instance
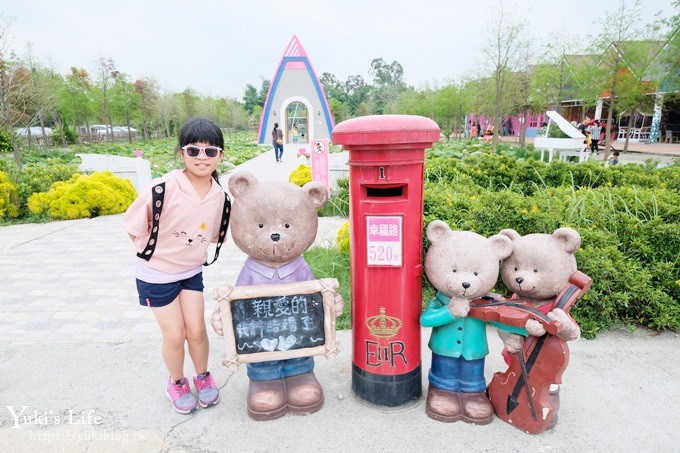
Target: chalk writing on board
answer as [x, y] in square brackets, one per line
[278, 323]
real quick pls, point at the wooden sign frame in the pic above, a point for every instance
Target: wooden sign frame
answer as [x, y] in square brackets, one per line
[225, 295]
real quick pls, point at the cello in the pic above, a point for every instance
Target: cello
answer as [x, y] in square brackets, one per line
[521, 395]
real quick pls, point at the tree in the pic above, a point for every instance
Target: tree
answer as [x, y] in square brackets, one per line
[76, 99]
[250, 98]
[451, 103]
[14, 90]
[505, 55]
[551, 76]
[629, 50]
[671, 55]
[125, 101]
[357, 93]
[148, 91]
[167, 110]
[106, 72]
[388, 80]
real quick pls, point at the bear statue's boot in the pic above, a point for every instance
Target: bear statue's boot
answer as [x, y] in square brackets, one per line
[304, 394]
[477, 408]
[267, 399]
[443, 405]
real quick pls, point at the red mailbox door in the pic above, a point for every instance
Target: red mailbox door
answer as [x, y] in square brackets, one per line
[386, 158]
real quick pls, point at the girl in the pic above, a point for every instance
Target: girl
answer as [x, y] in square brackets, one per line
[174, 248]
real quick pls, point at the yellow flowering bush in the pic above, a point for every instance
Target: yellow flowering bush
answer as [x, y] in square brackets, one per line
[301, 175]
[342, 239]
[8, 193]
[101, 193]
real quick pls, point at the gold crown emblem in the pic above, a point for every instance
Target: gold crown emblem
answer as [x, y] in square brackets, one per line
[383, 326]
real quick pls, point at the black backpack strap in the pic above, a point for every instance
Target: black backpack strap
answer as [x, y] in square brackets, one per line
[157, 196]
[224, 225]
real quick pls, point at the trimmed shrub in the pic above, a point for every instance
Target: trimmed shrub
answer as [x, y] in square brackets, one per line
[628, 217]
[100, 193]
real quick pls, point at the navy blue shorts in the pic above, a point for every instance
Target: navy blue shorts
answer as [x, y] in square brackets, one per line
[161, 294]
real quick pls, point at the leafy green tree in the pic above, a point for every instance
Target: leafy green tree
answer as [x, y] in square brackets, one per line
[188, 103]
[388, 80]
[75, 98]
[251, 98]
[264, 91]
[629, 49]
[551, 77]
[125, 101]
[450, 105]
[357, 93]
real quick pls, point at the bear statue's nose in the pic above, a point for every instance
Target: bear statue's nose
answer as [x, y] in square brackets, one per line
[275, 237]
[519, 279]
[466, 285]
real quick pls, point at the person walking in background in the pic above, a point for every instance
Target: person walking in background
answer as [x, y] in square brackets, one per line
[473, 130]
[172, 224]
[595, 132]
[277, 141]
[303, 132]
[295, 134]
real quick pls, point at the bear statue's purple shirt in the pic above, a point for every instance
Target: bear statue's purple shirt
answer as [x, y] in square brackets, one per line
[254, 273]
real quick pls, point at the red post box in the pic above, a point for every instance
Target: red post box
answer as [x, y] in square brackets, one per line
[386, 158]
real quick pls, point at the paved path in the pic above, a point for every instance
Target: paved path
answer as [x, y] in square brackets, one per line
[81, 362]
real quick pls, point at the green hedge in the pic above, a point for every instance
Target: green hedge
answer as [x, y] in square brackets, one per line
[628, 217]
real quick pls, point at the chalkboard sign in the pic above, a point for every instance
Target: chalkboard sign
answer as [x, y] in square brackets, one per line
[276, 322]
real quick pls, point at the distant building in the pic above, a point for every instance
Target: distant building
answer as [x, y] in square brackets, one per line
[296, 100]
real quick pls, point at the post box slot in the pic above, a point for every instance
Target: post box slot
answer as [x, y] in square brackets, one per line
[385, 192]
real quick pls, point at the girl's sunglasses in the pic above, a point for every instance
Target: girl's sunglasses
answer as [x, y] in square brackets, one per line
[194, 151]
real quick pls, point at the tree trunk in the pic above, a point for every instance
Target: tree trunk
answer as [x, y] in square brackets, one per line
[610, 114]
[46, 143]
[127, 121]
[15, 149]
[494, 137]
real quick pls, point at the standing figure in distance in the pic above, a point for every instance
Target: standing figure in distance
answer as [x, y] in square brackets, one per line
[277, 141]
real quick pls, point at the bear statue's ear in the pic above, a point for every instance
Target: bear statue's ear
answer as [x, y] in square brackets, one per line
[317, 193]
[568, 238]
[501, 245]
[437, 230]
[512, 234]
[241, 182]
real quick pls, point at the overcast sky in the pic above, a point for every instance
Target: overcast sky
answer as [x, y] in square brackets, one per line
[218, 47]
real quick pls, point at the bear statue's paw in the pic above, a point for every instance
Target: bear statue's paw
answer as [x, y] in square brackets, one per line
[534, 328]
[511, 341]
[216, 322]
[459, 308]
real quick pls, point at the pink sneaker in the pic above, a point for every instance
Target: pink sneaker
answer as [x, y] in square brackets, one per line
[183, 401]
[208, 395]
